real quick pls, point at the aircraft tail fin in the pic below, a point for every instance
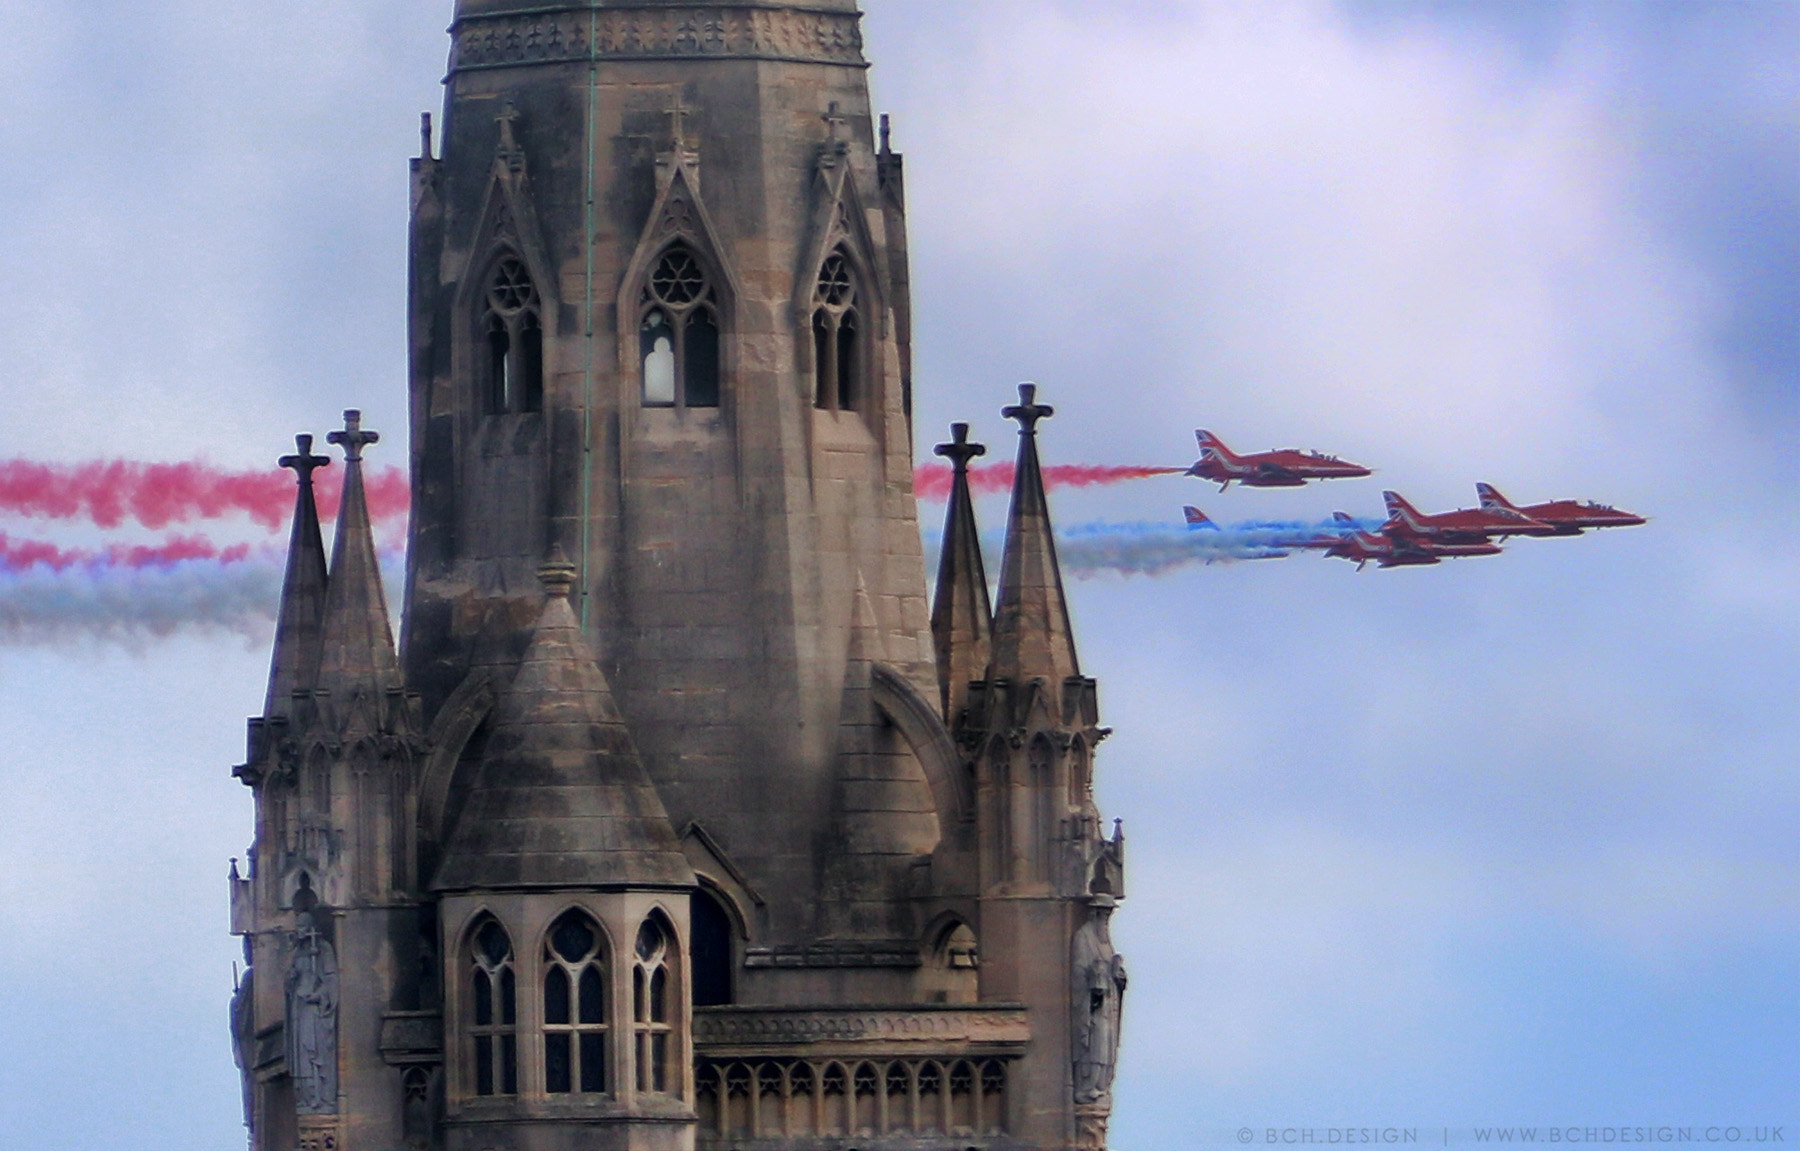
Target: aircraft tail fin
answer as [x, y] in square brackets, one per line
[1492, 500]
[1398, 508]
[1343, 518]
[1211, 446]
[1198, 520]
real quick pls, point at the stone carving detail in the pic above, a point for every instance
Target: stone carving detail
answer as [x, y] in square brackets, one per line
[530, 38]
[243, 1039]
[1098, 991]
[312, 1010]
[318, 1137]
[764, 1027]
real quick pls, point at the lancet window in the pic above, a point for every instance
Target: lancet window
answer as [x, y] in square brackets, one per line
[837, 336]
[493, 1027]
[652, 997]
[512, 331]
[678, 334]
[710, 954]
[575, 1023]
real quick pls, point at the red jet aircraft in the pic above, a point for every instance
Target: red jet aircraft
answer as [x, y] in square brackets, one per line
[1387, 551]
[1286, 468]
[1463, 526]
[1566, 517]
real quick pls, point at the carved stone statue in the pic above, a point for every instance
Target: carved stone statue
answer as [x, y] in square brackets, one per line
[243, 1042]
[312, 1007]
[1098, 987]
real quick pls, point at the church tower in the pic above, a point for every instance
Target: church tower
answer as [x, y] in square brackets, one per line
[675, 820]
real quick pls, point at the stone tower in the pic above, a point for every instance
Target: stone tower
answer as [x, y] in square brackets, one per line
[675, 821]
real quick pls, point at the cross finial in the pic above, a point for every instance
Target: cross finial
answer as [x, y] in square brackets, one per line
[1028, 411]
[834, 120]
[305, 463]
[960, 451]
[678, 114]
[353, 439]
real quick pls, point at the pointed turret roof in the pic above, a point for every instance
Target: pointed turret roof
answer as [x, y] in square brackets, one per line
[962, 615]
[561, 799]
[298, 637]
[1032, 635]
[358, 644]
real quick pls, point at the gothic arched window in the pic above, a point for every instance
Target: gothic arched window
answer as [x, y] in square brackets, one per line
[678, 334]
[493, 1028]
[837, 336]
[574, 1007]
[513, 334]
[653, 1015]
[710, 956]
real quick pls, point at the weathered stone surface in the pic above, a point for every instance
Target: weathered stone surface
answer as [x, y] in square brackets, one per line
[659, 323]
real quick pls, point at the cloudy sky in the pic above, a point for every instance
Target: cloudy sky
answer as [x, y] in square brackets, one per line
[1506, 841]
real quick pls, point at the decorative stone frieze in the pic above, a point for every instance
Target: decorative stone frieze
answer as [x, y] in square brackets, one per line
[946, 1029]
[512, 39]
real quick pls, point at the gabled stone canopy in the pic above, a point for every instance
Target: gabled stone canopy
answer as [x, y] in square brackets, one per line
[560, 799]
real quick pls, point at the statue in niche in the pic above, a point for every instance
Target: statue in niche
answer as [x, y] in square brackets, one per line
[312, 1006]
[1098, 985]
[243, 1040]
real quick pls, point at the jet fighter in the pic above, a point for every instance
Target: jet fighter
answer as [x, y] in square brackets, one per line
[1463, 526]
[1566, 517]
[1361, 547]
[1284, 468]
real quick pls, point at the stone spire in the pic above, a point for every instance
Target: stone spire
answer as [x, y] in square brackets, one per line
[561, 799]
[962, 615]
[1032, 635]
[298, 635]
[358, 643]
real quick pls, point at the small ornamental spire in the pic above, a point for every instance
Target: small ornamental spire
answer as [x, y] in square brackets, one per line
[834, 123]
[961, 613]
[295, 663]
[1032, 635]
[359, 641]
[425, 136]
[508, 150]
[678, 114]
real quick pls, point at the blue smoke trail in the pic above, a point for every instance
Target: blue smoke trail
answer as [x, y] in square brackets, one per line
[132, 606]
[1096, 549]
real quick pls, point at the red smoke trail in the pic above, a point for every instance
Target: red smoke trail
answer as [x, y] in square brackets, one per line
[932, 481]
[108, 492]
[19, 555]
